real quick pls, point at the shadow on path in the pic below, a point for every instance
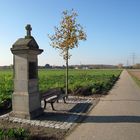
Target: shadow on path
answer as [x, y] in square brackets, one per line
[112, 119]
[72, 115]
[72, 118]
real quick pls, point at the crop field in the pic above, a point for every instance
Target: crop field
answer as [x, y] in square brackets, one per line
[6, 85]
[48, 79]
[77, 78]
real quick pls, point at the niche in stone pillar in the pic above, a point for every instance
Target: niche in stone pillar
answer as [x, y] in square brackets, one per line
[32, 70]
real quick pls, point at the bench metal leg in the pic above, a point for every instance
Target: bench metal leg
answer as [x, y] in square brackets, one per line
[45, 104]
[52, 106]
[64, 99]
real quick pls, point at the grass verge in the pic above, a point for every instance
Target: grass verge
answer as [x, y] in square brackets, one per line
[135, 78]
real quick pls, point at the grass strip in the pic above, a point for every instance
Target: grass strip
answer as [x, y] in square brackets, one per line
[135, 78]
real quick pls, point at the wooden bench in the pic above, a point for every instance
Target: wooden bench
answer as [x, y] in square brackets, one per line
[53, 95]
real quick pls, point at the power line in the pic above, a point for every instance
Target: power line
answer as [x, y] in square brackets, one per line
[127, 63]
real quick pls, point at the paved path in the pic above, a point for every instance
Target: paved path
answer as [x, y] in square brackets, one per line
[116, 116]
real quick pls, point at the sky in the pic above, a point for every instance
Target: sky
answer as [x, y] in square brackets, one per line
[112, 28]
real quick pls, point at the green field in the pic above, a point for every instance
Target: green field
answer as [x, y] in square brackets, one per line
[6, 86]
[81, 82]
[77, 78]
[56, 78]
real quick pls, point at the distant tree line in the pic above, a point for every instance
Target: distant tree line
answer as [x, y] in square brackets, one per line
[98, 66]
[92, 66]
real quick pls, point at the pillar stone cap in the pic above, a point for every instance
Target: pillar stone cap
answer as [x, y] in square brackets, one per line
[23, 43]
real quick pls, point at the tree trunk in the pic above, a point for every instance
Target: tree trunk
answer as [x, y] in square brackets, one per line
[67, 67]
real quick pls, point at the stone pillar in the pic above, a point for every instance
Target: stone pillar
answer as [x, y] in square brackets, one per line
[26, 101]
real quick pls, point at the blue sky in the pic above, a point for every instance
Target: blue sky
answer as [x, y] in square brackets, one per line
[112, 27]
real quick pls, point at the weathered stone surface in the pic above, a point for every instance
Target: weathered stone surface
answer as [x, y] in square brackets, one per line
[25, 99]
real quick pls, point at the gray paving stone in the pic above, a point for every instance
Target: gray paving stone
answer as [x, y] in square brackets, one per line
[52, 126]
[42, 124]
[47, 125]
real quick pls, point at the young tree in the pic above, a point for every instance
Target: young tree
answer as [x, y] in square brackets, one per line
[67, 37]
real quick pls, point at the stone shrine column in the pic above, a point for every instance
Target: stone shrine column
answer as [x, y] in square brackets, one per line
[26, 101]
